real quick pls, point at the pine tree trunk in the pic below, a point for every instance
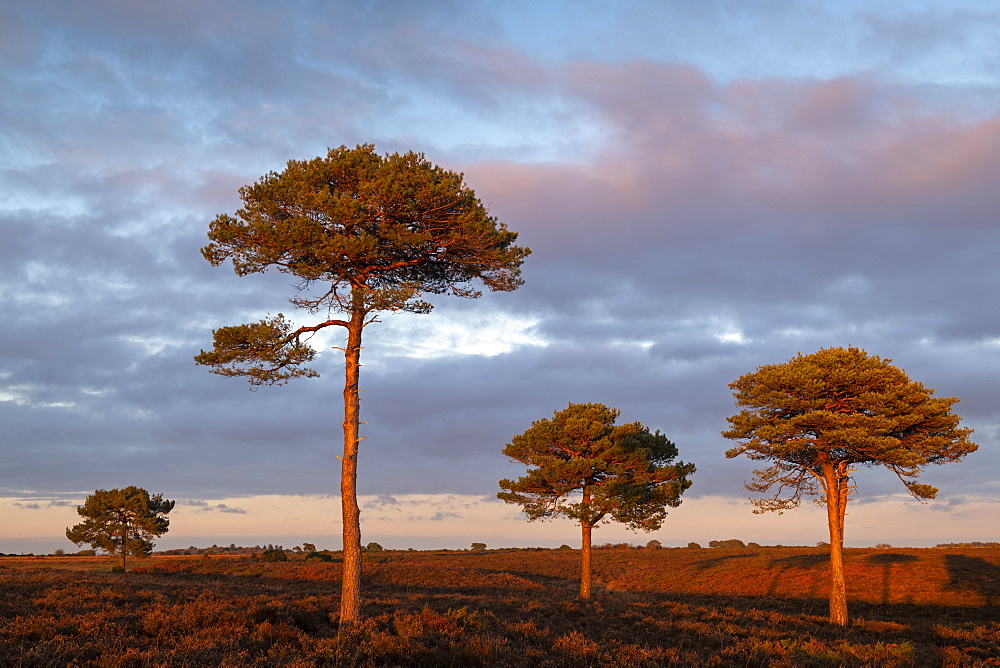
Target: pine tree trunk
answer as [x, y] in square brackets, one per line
[350, 591]
[586, 527]
[585, 560]
[835, 505]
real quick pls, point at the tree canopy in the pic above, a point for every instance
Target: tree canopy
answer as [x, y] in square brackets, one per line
[122, 521]
[360, 233]
[590, 470]
[816, 418]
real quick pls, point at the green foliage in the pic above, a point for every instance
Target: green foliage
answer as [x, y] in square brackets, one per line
[654, 545]
[274, 554]
[590, 470]
[816, 418]
[361, 233]
[309, 547]
[727, 544]
[841, 407]
[265, 352]
[372, 232]
[374, 547]
[479, 547]
[121, 521]
[319, 556]
[694, 546]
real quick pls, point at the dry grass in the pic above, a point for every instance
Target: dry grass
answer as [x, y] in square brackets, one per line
[753, 607]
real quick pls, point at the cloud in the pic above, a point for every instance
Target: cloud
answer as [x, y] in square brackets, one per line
[693, 214]
[205, 507]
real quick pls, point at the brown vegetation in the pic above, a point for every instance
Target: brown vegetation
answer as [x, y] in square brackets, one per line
[508, 607]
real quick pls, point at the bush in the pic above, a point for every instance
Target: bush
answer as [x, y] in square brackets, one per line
[118, 569]
[565, 547]
[731, 543]
[614, 546]
[694, 546]
[274, 554]
[479, 547]
[654, 545]
[319, 556]
[374, 547]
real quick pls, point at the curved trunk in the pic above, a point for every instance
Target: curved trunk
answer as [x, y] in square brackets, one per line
[350, 590]
[836, 505]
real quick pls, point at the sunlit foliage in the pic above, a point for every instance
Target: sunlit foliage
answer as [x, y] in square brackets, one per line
[361, 233]
[816, 418]
[586, 468]
[122, 521]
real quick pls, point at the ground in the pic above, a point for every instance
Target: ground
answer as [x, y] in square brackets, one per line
[754, 606]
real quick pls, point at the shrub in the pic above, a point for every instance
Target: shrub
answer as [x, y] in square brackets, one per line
[374, 547]
[118, 569]
[319, 556]
[731, 543]
[654, 545]
[274, 554]
[694, 546]
[479, 547]
[614, 546]
[565, 547]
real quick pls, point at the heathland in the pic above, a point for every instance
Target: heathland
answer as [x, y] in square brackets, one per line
[675, 606]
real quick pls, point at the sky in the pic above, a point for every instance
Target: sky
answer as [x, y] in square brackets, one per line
[706, 188]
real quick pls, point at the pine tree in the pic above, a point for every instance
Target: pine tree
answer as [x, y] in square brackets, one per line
[361, 234]
[590, 470]
[122, 521]
[818, 418]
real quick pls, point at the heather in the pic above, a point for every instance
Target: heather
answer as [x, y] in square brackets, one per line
[745, 606]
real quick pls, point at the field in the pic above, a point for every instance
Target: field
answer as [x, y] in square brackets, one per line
[738, 607]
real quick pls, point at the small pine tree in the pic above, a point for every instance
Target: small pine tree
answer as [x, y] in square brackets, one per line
[591, 470]
[121, 521]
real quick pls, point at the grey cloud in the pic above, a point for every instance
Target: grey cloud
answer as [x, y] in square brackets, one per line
[797, 211]
[205, 507]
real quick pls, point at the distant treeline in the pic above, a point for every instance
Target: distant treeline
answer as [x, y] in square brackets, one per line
[308, 548]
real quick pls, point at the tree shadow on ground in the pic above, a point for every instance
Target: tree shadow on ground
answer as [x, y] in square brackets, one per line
[792, 563]
[975, 574]
[802, 560]
[888, 561]
[715, 561]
